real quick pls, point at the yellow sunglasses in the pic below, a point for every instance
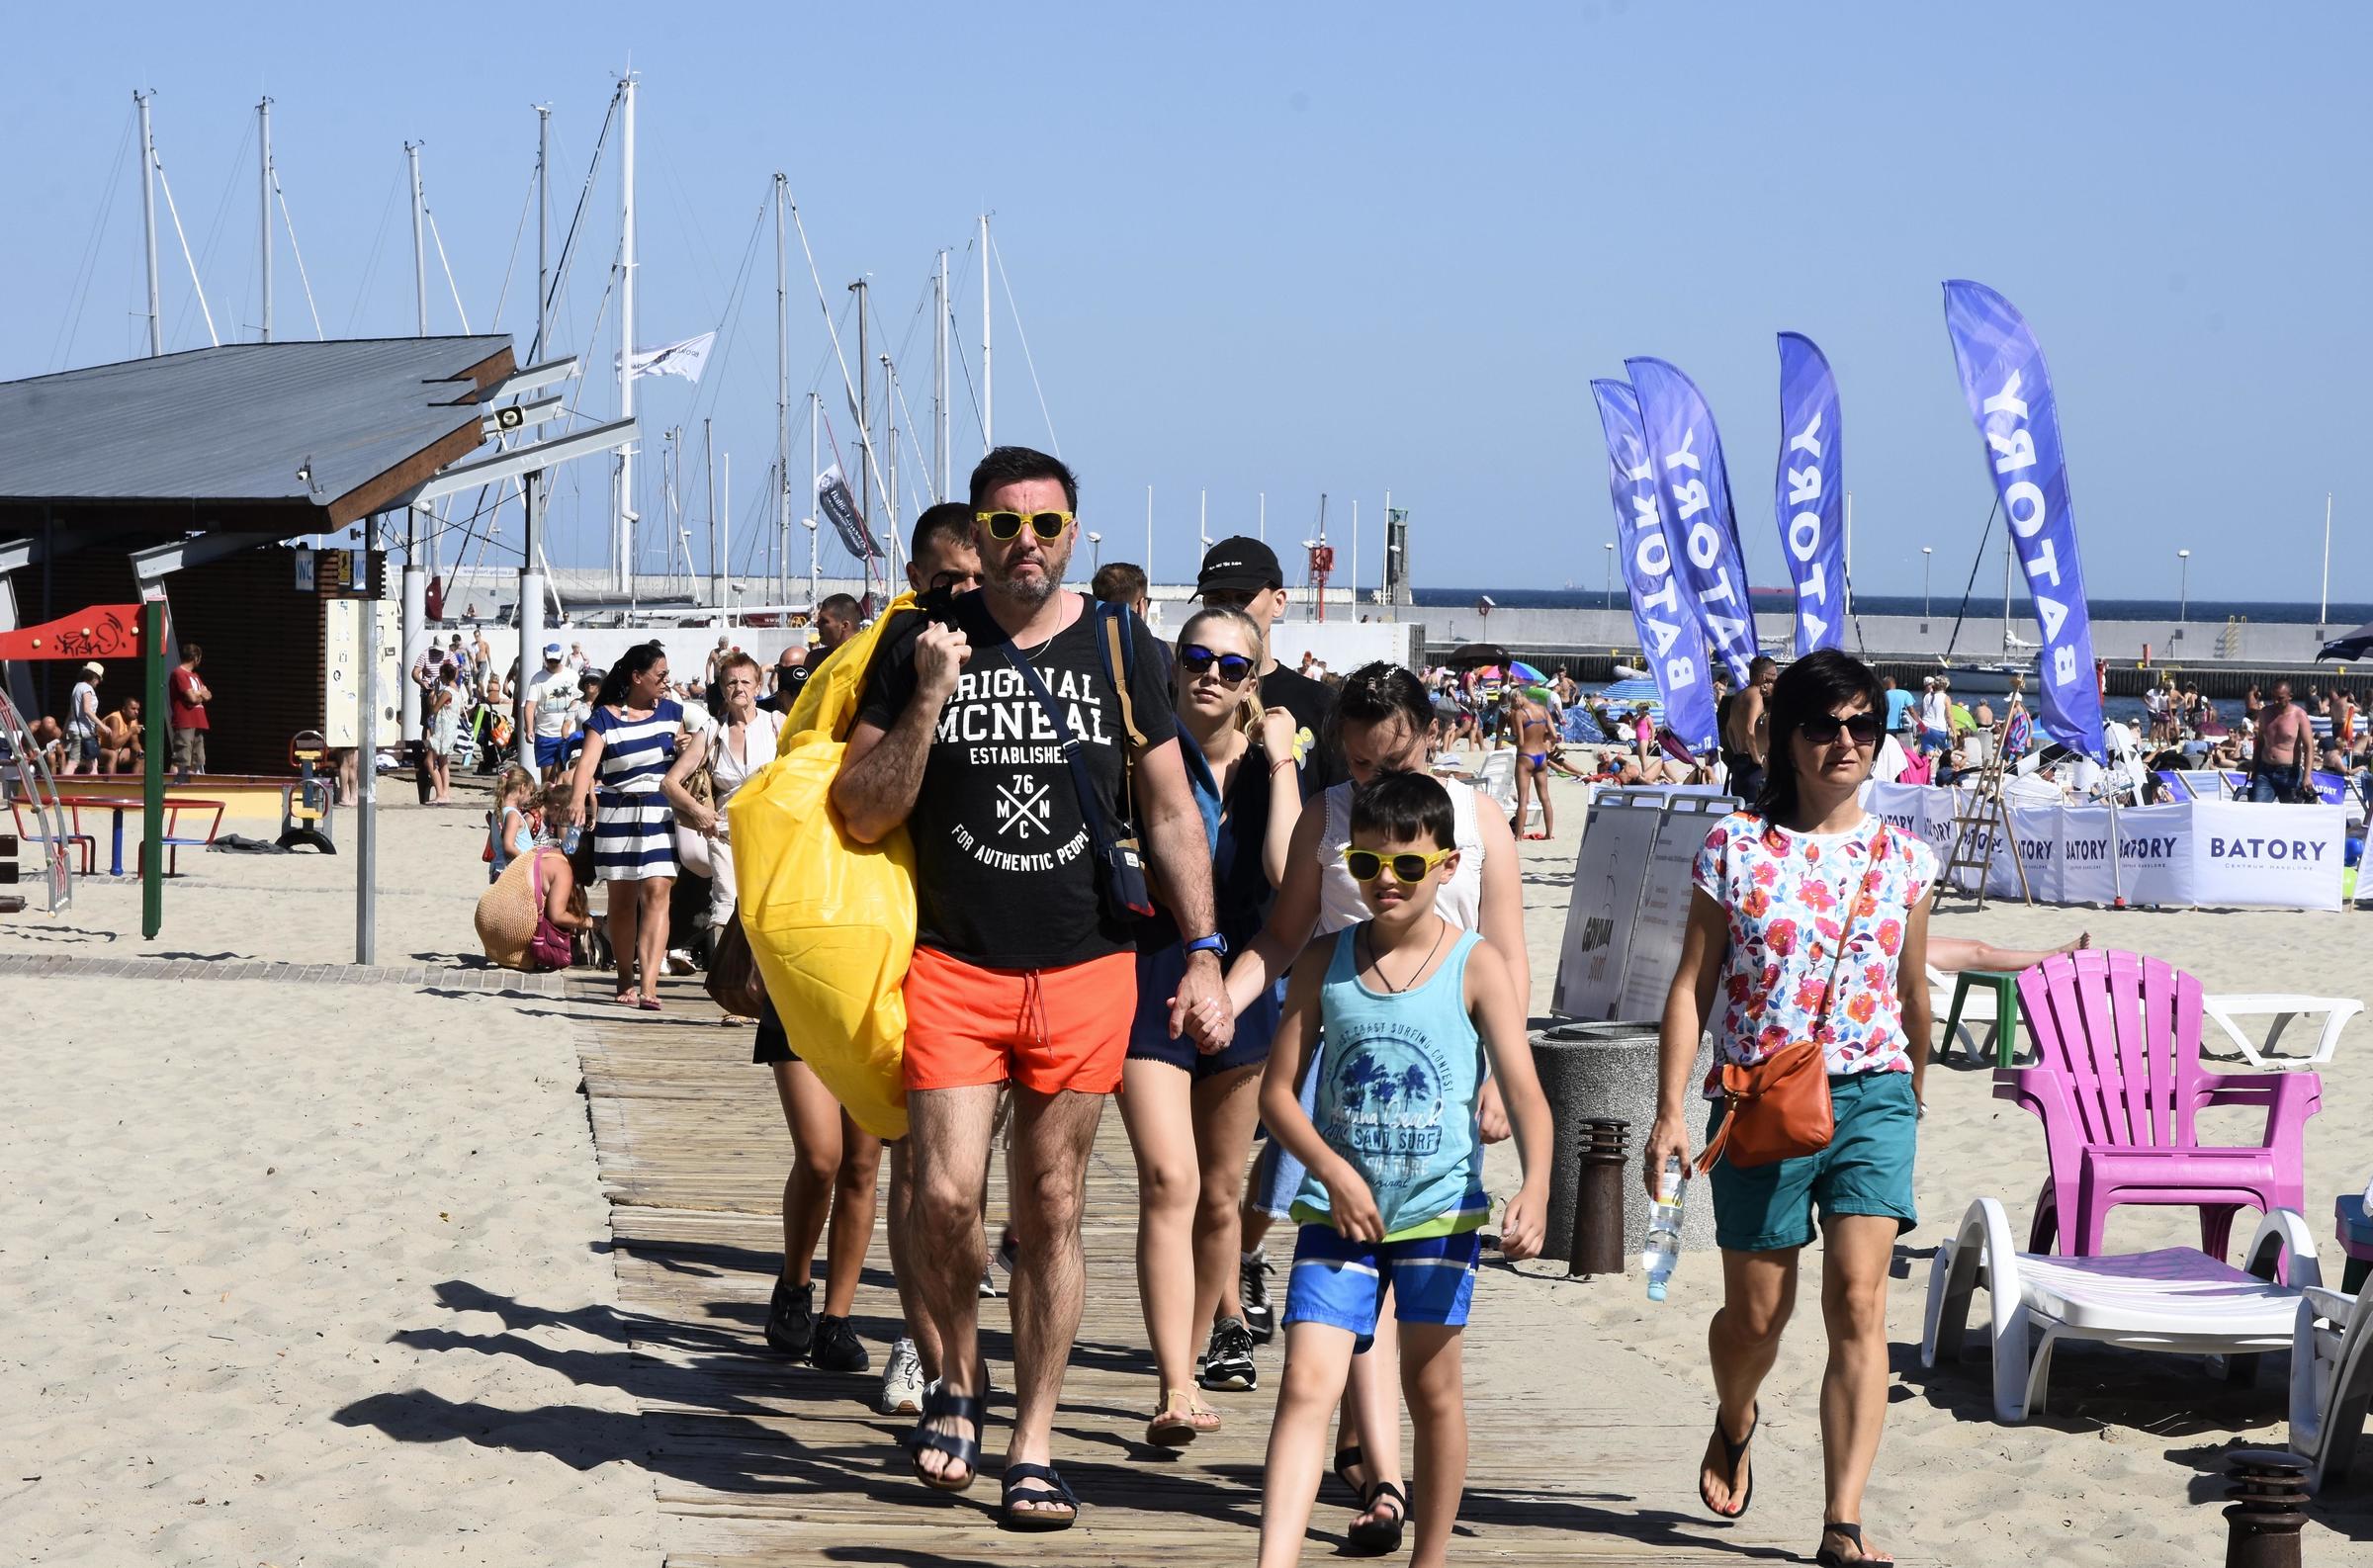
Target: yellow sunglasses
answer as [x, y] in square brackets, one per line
[1004, 526]
[1365, 865]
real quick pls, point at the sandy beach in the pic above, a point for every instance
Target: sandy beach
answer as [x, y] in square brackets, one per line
[316, 1273]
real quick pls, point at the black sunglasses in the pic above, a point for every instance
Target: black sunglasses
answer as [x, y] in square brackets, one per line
[1822, 728]
[1196, 660]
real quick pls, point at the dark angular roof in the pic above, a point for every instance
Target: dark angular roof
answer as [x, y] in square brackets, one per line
[368, 418]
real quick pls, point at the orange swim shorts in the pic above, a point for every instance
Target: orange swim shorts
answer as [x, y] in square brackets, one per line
[1045, 1029]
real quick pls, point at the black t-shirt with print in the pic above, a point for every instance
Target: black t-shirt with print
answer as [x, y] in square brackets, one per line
[1312, 704]
[1003, 875]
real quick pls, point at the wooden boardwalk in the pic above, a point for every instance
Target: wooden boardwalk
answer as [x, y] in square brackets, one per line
[758, 1461]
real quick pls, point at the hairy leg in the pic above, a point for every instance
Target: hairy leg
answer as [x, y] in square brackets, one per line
[948, 1133]
[1052, 1133]
[900, 1226]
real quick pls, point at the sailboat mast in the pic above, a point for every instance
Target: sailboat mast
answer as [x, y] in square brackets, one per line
[864, 429]
[782, 394]
[708, 458]
[815, 480]
[531, 493]
[2008, 556]
[890, 385]
[940, 379]
[988, 382]
[722, 544]
[411, 157]
[263, 208]
[156, 319]
[2324, 599]
[622, 546]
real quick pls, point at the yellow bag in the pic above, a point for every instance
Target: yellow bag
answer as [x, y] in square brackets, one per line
[831, 921]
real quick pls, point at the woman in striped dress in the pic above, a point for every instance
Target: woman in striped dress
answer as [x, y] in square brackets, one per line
[630, 739]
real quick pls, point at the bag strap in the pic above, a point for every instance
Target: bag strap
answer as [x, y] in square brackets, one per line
[1117, 647]
[1082, 785]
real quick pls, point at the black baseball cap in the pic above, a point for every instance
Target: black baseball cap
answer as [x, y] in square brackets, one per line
[1239, 565]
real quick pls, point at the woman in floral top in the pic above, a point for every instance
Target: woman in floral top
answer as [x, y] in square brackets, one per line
[1809, 921]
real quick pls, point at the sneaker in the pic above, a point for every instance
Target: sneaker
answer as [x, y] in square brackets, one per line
[679, 960]
[989, 1291]
[791, 1319]
[902, 1381]
[837, 1347]
[1227, 1363]
[1252, 1288]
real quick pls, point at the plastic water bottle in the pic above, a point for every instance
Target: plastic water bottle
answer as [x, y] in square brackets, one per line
[1662, 1252]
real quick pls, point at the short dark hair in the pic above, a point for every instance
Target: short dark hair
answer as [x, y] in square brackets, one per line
[1815, 685]
[1759, 664]
[191, 652]
[1118, 582]
[1004, 465]
[1400, 808]
[947, 520]
[840, 604]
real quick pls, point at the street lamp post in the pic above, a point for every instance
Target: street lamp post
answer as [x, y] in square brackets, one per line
[1096, 544]
[1607, 593]
[1927, 560]
[2184, 600]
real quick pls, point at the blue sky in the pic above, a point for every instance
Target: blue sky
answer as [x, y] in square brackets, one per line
[1349, 249]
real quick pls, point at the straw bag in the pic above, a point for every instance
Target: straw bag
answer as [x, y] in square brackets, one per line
[1779, 1108]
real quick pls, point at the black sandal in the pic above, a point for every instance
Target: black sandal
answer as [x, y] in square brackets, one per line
[1039, 1518]
[1347, 1460]
[1379, 1536]
[938, 1404]
[1733, 1452]
[1827, 1558]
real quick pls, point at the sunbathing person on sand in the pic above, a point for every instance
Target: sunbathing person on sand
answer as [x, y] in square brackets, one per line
[1952, 954]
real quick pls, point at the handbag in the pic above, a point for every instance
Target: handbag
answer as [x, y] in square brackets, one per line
[549, 948]
[1779, 1108]
[733, 980]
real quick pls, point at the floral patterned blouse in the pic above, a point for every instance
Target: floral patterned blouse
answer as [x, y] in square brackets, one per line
[1784, 895]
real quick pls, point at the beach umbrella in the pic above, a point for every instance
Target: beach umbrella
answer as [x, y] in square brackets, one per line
[2353, 646]
[1478, 654]
[1525, 672]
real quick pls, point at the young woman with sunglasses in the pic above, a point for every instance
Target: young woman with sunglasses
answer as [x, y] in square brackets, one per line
[1190, 1114]
[1779, 887]
[1383, 718]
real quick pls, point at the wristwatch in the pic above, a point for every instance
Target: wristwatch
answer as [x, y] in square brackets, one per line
[1214, 944]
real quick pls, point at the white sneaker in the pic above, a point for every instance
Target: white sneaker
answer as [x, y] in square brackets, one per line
[902, 1382]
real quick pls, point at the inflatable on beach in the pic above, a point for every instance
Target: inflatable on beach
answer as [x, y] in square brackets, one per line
[831, 921]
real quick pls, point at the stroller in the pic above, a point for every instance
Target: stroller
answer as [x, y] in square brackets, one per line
[485, 743]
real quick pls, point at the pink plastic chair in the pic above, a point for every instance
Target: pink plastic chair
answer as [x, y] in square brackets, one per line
[2119, 1087]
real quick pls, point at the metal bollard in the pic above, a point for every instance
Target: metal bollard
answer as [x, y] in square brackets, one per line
[1598, 1201]
[2263, 1520]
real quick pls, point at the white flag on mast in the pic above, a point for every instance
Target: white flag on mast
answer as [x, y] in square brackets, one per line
[686, 359]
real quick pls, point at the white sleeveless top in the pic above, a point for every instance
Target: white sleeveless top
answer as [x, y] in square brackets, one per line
[758, 738]
[1460, 901]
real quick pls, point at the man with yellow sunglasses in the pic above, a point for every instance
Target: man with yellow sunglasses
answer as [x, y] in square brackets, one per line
[1011, 743]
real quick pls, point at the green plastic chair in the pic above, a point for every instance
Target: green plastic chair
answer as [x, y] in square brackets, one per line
[2005, 987]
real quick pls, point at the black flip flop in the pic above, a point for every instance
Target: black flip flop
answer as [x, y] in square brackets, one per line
[1038, 1519]
[1731, 1452]
[1377, 1538]
[1827, 1558]
[966, 1451]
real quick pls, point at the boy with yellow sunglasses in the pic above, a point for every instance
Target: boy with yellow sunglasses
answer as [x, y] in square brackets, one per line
[1401, 1012]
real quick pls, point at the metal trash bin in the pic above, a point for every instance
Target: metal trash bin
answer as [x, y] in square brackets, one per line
[1600, 1070]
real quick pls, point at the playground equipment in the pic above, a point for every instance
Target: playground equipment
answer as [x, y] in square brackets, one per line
[306, 804]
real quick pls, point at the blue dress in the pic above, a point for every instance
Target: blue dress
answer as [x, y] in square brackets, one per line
[634, 828]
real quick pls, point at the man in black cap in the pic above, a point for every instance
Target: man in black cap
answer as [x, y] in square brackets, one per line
[1244, 572]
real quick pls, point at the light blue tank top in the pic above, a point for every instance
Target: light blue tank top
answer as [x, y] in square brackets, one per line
[1398, 1076]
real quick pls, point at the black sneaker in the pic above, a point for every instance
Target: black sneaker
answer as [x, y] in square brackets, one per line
[1228, 1360]
[791, 1319]
[1252, 1290]
[837, 1347]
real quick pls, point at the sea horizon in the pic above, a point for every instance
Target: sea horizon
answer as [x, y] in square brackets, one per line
[2199, 611]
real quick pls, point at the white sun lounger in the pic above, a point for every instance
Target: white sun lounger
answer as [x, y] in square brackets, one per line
[2177, 1300]
[2332, 1380]
[2283, 1007]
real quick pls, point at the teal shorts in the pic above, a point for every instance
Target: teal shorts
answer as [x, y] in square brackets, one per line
[1866, 1170]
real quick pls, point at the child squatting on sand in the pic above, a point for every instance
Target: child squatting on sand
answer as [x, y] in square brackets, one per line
[1394, 1203]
